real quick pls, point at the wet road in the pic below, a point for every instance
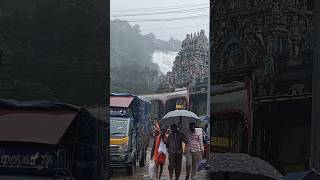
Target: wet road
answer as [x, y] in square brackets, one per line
[144, 171]
[120, 174]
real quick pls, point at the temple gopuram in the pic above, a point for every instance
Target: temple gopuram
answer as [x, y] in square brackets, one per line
[261, 79]
[190, 70]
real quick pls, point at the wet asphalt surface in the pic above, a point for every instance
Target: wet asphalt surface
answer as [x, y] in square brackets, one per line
[142, 172]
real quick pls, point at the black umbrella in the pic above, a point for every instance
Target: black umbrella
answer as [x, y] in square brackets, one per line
[182, 118]
[231, 166]
[305, 175]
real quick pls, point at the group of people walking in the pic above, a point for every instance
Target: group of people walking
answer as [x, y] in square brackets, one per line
[173, 142]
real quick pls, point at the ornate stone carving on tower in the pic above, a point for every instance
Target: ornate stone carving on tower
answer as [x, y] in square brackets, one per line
[266, 48]
[191, 63]
[261, 40]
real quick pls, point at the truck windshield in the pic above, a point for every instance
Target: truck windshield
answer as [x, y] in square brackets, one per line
[118, 128]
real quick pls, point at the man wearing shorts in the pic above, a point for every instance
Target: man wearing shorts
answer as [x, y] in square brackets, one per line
[194, 150]
[174, 145]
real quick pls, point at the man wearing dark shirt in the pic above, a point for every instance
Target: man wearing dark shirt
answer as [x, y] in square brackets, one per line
[174, 145]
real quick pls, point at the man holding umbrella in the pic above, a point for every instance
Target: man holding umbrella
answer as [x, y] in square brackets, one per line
[183, 118]
[174, 145]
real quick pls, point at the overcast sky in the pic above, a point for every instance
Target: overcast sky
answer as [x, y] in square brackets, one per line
[170, 18]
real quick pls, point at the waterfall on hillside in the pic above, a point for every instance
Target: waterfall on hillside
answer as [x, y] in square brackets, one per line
[164, 60]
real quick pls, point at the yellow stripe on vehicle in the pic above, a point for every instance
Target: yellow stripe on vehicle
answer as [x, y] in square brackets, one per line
[118, 141]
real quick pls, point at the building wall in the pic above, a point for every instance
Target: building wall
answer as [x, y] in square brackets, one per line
[267, 41]
[269, 44]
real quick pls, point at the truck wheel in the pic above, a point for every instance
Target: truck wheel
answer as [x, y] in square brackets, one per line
[142, 161]
[131, 169]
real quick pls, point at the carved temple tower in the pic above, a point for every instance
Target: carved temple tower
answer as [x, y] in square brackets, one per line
[190, 71]
[267, 45]
[191, 63]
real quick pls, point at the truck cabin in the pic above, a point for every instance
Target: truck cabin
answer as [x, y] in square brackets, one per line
[129, 131]
[126, 112]
[121, 116]
[38, 141]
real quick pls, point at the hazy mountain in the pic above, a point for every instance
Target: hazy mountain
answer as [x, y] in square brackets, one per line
[131, 58]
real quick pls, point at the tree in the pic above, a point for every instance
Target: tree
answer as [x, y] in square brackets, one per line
[58, 44]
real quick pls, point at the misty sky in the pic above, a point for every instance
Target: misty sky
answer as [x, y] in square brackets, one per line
[171, 18]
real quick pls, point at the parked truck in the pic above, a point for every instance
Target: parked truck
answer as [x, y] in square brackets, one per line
[51, 141]
[129, 131]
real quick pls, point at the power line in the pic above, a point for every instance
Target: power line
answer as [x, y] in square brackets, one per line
[158, 8]
[170, 19]
[164, 12]
[177, 27]
[159, 20]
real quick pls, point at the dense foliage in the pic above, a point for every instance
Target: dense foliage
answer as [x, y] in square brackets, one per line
[54, 50]
[131, 66]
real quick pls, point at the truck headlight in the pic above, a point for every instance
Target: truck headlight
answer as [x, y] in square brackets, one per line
[123, 147]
